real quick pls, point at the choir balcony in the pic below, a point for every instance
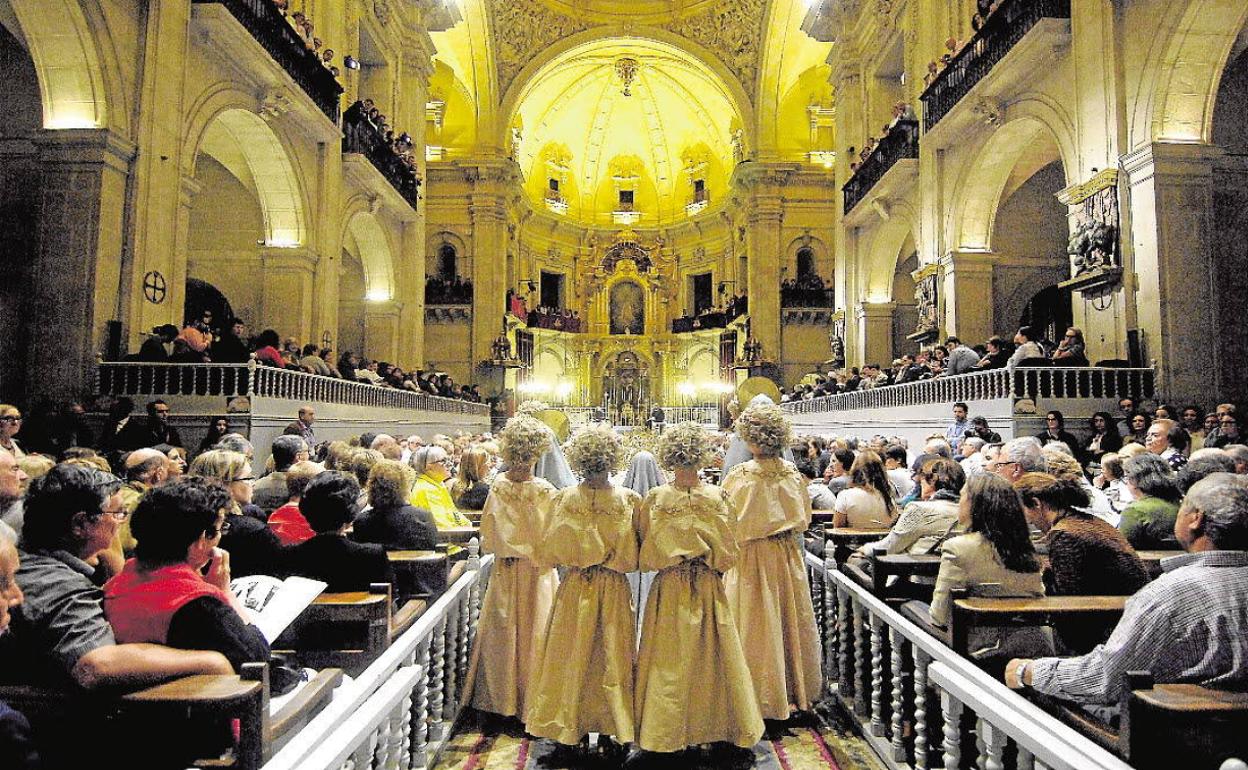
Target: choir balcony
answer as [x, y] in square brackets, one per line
[254, 37]
[1014, 403]
[261, 401]
[889, 170]
[1017, 42]
[367, 154]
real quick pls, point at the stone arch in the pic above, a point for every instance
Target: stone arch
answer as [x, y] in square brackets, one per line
[787, 53]
[73, 80]
[1184, 72]
[375, 255]
[434, 242]
[885, 252]
[226, 116]
[819, 253]
[983, 182]
[550, 55]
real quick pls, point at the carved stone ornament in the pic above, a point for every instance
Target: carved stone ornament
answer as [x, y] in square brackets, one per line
[733, 29]
[523, 28]
[382, 10]
[988, 111]
[925, 288]
[1095, 256]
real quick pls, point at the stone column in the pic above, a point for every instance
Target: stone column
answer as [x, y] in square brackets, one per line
[325, 238]
[381, 330]
[411, 287]
[287, 293]
[874, 333]
[489, 254]
[966, 291]
[1171, 205]
[76, 275]
[765, 214]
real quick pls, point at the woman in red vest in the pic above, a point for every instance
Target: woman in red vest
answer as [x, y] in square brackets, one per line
[165, 595]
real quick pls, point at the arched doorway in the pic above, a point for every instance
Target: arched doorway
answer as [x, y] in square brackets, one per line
[1230, 241]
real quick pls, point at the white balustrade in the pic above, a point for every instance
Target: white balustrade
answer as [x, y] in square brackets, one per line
[1024, 382]
[128, 378]
[437, 646]
[890, 674]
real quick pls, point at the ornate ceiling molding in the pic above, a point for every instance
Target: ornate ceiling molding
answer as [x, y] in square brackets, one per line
[731, 29]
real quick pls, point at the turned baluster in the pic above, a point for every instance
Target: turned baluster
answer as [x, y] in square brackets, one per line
[877, 676]
[862, 671]
[376, 756]
[1026, 760]
[992, 741]
[401, 729]
[951, 709]
[420, 712]
[465, 627]
[844, 644]
[437, 684]
[897, 643]
[450, 685]
[830, 656]
[921, 662]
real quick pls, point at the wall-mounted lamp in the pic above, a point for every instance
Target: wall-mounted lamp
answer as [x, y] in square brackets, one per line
[351, 63]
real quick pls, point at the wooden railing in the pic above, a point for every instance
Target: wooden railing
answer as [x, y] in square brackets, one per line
[400, 711]
[126, 378]
[919, 703]
[1007, 25]
[271, 30]
[901, 141]
[1029, 382]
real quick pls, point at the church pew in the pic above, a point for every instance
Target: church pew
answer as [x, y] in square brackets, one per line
[903, 566]
[848, 539]
[207, 698]
[419, 574]
[990, 612]
[348, 630]
[458, 535]
[1152, 560]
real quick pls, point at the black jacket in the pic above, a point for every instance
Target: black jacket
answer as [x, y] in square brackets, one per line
[345, 565]
[406, 528]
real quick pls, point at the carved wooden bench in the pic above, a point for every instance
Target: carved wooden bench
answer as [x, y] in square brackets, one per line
[419, 574]
[348, 630]
[984, 612]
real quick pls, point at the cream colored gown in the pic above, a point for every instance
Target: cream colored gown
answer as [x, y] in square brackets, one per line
[584, 680]
[517, 603]
[768, 589]
[693, 684]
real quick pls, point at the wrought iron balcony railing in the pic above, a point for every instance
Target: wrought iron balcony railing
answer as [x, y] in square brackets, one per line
[901, 141]
[361, 136]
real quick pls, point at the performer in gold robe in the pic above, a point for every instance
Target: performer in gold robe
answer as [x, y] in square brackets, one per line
[693, 684]
[768, 589]
[584, 681]
[518, 601]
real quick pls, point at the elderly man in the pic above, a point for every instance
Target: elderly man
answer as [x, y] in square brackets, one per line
[1161, 438]
[1190, 625]
[972, 456]
[270, 492]
[145, 468]
[12, 477]
[1017, 457]
[1239, 455]
[388, 446]
[302, 427]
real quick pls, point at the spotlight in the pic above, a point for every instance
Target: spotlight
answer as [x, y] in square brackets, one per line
[351, 63]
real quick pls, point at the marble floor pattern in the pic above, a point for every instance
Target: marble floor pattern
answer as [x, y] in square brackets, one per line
[821, 741]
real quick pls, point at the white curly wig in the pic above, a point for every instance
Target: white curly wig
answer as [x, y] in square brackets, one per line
[531, 408]
[594, 450]
[767, 427]
[523, 440]
[684, 445]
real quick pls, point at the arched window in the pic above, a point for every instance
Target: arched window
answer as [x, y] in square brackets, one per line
[446, 262]
[805, 262]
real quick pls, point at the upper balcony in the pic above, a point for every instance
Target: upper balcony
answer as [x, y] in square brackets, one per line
[897, 152]
[268, 27]
[361, 137]
[1008, 26]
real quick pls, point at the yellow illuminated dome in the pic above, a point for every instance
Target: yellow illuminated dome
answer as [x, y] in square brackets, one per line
[648, 11]
[621, 119]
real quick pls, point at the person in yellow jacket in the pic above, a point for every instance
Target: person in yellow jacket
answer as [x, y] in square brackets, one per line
[430, 491]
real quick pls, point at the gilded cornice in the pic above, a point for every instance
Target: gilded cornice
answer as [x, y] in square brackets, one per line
[731, 29]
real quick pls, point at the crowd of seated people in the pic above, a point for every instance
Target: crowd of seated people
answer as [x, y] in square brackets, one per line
[1027, 348]
[558, 318]
[202, 342]
[448, 291]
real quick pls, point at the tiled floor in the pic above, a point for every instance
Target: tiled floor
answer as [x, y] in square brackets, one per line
[819, 742]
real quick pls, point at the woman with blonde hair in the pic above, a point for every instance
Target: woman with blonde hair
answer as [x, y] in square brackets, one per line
[768, 589]
[518, 600]
[584, 680]
[253, 548]
[470, 488]
[390, 519]
[693, 682]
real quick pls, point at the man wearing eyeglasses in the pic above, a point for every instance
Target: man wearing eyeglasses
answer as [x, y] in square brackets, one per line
[155, 430]
[1017, 457]
[11, 479]
[10, 425]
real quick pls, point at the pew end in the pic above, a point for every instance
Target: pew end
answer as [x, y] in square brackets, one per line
[991, 612]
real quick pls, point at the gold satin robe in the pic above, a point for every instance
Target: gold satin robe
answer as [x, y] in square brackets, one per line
[768, 589]
[693, 683]
[518, 601]
[584, 680]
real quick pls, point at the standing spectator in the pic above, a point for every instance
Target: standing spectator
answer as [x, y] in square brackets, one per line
[302, 427]
[957, 429]
[961, 358]
[155, 430]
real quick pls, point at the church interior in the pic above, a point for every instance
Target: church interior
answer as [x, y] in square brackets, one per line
[424, 214]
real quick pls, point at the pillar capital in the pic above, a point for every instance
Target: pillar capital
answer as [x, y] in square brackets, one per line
[298, 259]
[968, 262]
[1181, 159]
[84, 146]
[875, 310]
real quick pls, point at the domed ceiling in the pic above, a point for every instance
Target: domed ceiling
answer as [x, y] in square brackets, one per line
[625, 114]
[645, 11]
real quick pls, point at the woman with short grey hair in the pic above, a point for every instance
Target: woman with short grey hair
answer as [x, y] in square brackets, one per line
[1148, 522]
